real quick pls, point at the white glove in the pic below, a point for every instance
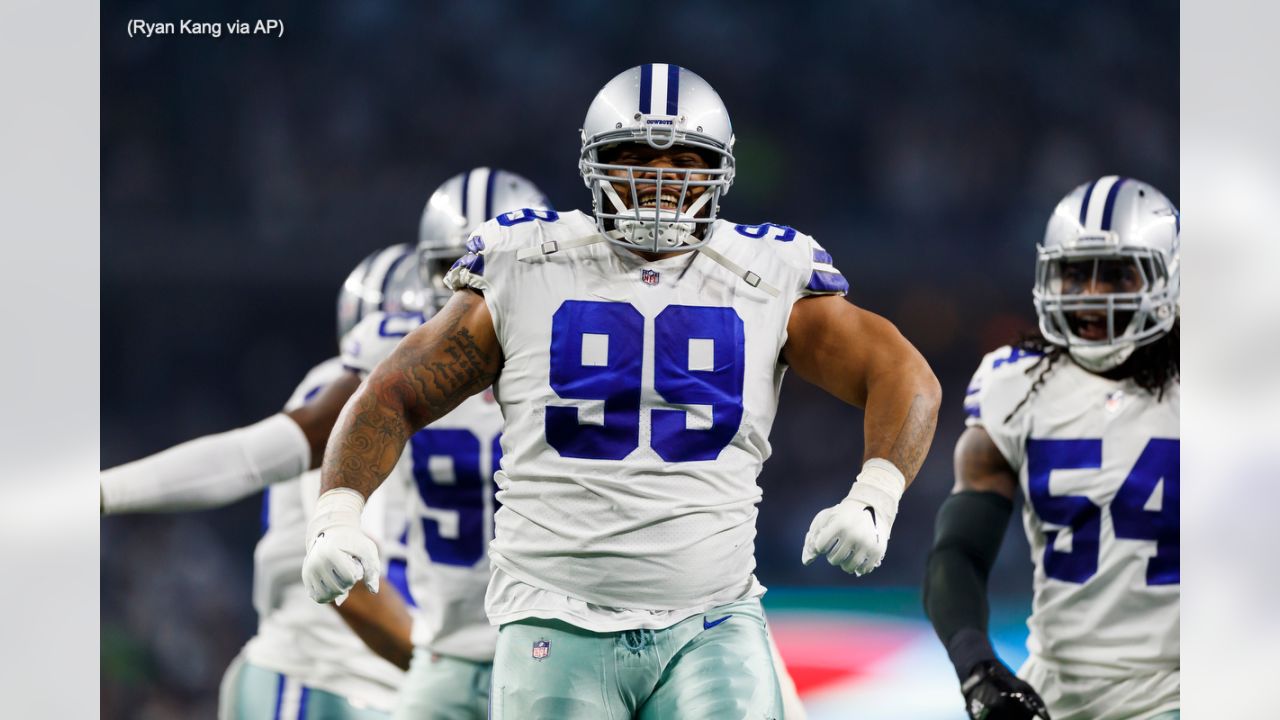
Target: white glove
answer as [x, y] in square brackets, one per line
[339, 554]
[854, 535]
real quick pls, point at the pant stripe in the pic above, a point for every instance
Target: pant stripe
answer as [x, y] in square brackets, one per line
[279, 697]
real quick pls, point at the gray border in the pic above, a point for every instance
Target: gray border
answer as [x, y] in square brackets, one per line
[1230, 180]
[49, 142]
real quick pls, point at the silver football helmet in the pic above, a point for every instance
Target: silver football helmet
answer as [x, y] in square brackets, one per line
[460, 205]
[662, 106]
[1107, 273]
[385, 281]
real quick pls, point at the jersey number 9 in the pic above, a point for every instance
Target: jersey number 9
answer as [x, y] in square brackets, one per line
[597, 353]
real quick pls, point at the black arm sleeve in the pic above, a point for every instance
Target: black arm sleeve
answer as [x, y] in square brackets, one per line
[967, 535]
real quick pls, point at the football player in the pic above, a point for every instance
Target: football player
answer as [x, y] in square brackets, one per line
[303, 662]
[383, 297]
[1083, 419]
[451, 508]
[637, 357]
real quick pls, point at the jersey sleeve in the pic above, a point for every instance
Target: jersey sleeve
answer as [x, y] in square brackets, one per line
[787, 259]
[822, 278]
[468, 270]
[375, 337]
[998, 387]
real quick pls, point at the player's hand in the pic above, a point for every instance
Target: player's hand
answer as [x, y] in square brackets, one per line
[339, 554]
[848, 535]
[992, 692]
[854, 535]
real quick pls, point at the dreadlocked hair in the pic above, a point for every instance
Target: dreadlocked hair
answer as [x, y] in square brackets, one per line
[1152, 367]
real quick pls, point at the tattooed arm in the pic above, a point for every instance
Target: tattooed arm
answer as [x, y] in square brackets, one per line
[455, 355]
[862, 359]
[452, 357]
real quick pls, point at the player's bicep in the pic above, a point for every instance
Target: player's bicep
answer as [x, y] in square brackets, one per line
[838, 346]
[980, 467]
[454, 355]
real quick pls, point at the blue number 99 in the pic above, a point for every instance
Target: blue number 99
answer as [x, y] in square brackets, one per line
[618, 331]
[698, 359]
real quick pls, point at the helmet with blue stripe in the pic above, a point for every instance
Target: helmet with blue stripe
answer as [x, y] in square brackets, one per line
[1107, 273]
[385, 281]
[461, 204]
[662, 106]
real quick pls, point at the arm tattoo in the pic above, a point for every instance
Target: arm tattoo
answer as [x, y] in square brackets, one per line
[430, 373]
[914, 437]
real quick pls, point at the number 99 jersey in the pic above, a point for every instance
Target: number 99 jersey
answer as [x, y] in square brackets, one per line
[1097, 460]
[638, 399]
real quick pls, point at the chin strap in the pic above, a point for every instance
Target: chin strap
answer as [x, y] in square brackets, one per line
[747, 276]
[554, 246]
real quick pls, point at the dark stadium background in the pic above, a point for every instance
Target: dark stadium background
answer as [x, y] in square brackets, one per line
[923, 143]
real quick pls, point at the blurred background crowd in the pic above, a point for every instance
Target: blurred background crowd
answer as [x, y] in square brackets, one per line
[923, 143]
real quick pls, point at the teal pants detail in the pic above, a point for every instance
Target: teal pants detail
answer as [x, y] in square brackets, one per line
[708, 667]
[253, 693]
[1171, 715]
[439, 687]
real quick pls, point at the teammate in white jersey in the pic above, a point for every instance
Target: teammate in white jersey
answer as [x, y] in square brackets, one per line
[637, 357]
[296, 649]
[304, 661]
[1084, 420]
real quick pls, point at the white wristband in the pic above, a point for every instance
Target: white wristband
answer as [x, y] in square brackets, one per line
[339, 506]
[209, 472]
[880, 485]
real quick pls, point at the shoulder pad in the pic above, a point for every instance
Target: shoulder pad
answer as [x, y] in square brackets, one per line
[998, 385]
[816, 269]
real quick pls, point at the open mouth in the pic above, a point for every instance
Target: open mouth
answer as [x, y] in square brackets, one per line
[1091, 327]
[665, 201]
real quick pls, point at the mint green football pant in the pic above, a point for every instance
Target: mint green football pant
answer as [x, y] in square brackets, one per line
[250, 692]
[712, 666]
[439, 687]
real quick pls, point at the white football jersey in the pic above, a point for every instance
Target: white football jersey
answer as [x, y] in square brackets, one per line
[453, 462]
[1097, 460]
[297, 636]
[638, 399]
[449, 466]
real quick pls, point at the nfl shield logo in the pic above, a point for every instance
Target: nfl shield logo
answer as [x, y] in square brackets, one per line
[650, 277]
[541, 649]
[1114, 401]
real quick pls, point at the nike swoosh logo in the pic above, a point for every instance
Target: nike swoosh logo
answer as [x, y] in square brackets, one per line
[708, 625]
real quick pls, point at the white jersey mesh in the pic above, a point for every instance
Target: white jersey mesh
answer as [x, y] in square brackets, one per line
[1097, 460]
[633, 485]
